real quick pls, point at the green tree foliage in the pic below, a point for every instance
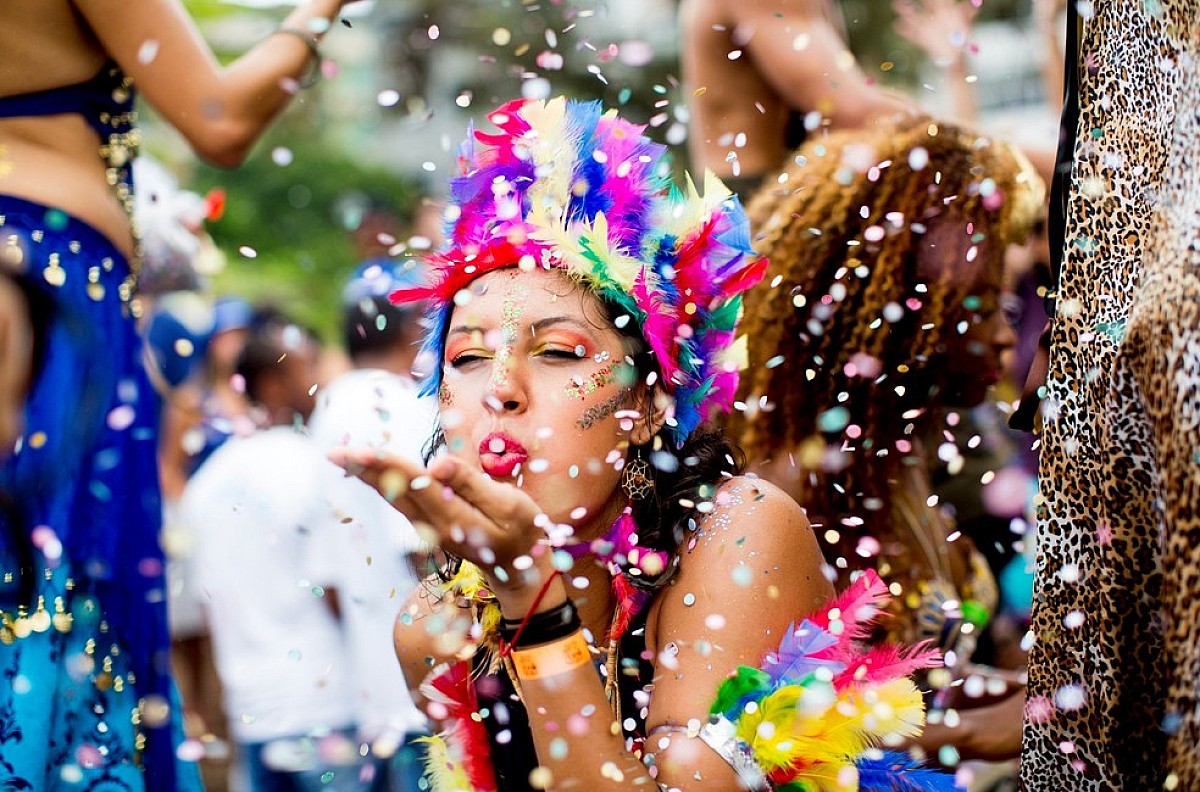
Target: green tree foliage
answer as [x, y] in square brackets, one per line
[288, 216]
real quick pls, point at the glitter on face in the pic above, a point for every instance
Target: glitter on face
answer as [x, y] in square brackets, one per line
[510, 316]
[581, 388]
[445, 395]
[596, 414]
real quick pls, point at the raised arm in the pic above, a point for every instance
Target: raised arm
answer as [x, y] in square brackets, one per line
[941, 29]
[800, 52]
[221, 111]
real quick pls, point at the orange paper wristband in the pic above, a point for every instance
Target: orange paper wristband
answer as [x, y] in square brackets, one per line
[552, 659]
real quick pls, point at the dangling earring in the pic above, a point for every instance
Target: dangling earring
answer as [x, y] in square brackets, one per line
[636, 481]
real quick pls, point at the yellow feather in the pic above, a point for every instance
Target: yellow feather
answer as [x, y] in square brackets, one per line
[769, 729]
[894, 707]
[831, 777]
[737, 356]
[443, 771]
[568, 242]
[467, 581]
[691, 209]
[553, 156]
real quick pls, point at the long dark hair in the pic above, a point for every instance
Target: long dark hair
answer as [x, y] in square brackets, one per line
[683, 477]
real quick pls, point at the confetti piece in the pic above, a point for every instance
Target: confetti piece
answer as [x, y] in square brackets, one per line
[148, 51]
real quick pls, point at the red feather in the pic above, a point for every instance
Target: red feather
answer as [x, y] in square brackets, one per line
[454, 689]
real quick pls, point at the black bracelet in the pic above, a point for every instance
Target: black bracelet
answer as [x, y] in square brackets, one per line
[543, 627]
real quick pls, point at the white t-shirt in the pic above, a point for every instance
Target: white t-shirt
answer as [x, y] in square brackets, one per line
[275, 524]
[376, 408]
[370, 407]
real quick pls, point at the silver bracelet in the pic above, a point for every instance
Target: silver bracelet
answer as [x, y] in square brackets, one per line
[312, 69]
[720, 734]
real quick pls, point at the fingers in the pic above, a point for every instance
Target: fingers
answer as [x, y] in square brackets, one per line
[473, 516]
[390, 474]
[505, 504]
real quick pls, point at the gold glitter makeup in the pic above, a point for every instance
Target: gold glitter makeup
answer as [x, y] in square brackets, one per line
[445, 395]
[510, 315]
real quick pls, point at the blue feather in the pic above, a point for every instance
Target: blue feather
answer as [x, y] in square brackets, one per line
[894, 771]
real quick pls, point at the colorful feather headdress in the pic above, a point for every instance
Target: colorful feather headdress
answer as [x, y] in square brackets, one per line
[565, 185]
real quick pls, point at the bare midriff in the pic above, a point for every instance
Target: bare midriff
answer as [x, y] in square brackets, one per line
[54, 160]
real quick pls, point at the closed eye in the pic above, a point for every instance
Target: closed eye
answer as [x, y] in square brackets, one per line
[562, 354]
[465, 359]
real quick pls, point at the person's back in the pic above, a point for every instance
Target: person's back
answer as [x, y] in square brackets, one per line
[753, 66]
[54, 159]
[269, 542]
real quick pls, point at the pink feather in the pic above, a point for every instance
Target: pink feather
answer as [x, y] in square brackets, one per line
[659, 327]
[855, 607]
[886, 662]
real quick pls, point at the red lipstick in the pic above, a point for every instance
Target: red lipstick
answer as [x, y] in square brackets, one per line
[499, 455]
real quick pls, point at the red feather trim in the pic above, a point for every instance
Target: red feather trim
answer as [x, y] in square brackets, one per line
[466, 734]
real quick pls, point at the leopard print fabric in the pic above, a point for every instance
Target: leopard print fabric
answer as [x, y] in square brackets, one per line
[1115, 667]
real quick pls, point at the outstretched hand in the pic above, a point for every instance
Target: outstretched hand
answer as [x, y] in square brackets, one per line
[491, 524]
[941, 28]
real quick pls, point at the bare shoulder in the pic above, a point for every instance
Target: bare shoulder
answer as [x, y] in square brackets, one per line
[751, 551]
[752, 510]
[753, 543]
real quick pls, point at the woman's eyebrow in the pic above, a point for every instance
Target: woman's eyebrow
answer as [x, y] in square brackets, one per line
[465, 330]
[550, 321]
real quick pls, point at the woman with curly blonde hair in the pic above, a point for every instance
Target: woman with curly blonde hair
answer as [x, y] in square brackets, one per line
[880, 316]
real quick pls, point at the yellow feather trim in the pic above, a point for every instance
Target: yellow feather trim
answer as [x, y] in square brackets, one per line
[444, 772]
[551, 156]
[468, 582]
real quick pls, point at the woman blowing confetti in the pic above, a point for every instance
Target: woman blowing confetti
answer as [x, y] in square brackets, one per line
[879, 317]
[615, 582]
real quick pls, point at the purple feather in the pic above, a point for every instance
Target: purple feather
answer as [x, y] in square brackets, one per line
[793, 661]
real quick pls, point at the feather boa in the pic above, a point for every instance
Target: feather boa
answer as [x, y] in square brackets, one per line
[817, 709]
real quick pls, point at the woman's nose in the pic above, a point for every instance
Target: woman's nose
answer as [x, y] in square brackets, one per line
[1005, 337]
[505, 392]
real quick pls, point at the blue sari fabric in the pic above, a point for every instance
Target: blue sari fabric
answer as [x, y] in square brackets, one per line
[85, 701]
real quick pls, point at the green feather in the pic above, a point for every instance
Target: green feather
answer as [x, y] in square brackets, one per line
[725, 316]
[746, 682]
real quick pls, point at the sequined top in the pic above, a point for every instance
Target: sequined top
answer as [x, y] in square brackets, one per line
[106, 103]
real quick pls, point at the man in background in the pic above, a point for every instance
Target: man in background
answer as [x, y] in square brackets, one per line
[376, 404]
[762, 74]
[286, 545]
